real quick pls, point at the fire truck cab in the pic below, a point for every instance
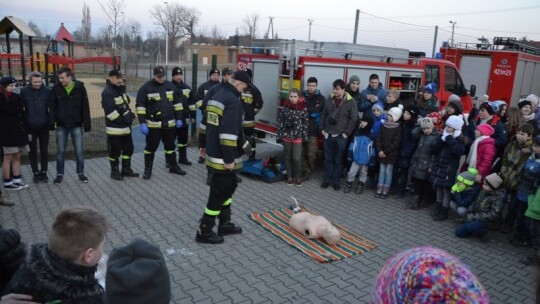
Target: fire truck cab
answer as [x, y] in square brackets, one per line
[274, 74]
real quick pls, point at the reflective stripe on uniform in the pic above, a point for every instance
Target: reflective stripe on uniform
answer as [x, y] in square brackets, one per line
[141, 110]
[219, 164]
[247, 98]
[178, 106]
[199, 103]
[248, 123]
[192, 107]
[227, 202]
[215, 107]
[126, 157]
[117, 131]
[170, 95]
[157, 124]
[181, 145]
[228, 140]
[154, 96]
[169, 152]
[118, 100]
[113, 115]
[186, 92]
[212, 212]
[147, 152]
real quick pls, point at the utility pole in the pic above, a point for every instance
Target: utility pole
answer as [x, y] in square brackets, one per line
[270, 25]
[309, 35]
[123, 41]
[167, 36]
[357, 19]
[453, 27]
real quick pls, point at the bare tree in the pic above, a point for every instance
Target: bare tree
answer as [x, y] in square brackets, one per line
[34, 27]
[113, 9]
[86, 23]
[176, 20]
[250, 25]
[216, 35]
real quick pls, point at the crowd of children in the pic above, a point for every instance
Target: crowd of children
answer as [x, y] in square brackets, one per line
[481, 166]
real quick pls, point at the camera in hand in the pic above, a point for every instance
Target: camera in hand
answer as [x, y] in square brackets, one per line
[332, 120]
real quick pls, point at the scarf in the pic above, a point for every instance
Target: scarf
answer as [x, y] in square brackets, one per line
[529, 117]
[471, 158]
[454, 134]
[391, 124]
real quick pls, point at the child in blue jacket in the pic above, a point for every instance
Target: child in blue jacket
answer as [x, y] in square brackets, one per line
[360, 151]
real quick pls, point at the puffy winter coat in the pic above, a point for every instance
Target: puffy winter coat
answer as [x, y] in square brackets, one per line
[485, 155]
[388, 142]
[47, 278]
[422, 157]
[293, 121]
[365, 104]
[488, 208]
[408, 144]
[445, 164]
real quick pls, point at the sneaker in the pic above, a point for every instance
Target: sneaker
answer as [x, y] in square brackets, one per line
[289, 181]
[83, 178]
[298, 181]
[58, 179]
[12, 187]
[21, 185]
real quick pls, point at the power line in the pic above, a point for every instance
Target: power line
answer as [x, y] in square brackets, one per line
[476, 29]
[471, 13]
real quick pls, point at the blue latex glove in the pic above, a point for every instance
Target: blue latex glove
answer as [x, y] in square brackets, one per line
[179, 124]
[144, 129]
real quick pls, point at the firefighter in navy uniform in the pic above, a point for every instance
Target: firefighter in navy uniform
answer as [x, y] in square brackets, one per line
[118, 120]
[252, 103]
[224, 144]
[201, 93]
[189, 113]
[160, 110]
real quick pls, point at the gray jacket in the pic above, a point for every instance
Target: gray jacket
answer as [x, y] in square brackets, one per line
[422, 157]
[344, 112]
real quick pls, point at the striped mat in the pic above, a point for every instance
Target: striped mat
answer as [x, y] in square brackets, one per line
[277, 222]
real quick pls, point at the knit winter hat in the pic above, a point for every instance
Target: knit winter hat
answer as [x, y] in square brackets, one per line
[435, 118]
[494, 181]
[378, 105]
[533, 98]
[467, 177]
[7, 80]
[430, 88]
[396, 113]
[454, 122]
[455, 102]
[354, 78]
[485, 129]
[413, 110]
[487, 107]
[137, 273]
[425, 123]
[427, 275]
[497, 105]
[524, 102]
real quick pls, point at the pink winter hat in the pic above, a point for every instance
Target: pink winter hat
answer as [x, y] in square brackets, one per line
[427, 275]
[485, 129]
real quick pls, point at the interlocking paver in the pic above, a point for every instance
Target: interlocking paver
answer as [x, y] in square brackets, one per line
[257, 267]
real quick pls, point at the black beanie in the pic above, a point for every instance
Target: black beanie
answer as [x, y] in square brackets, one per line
[137, 273]
[12, 254]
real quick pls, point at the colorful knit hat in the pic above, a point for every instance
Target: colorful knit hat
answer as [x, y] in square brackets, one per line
[427, 275]
[485, 129]
[436, 118]
[465, 180]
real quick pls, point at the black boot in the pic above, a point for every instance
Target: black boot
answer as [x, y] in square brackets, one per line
[359, 188]
[347, 188]
[443, 214]
[252, 156]
[205, 233]
[174, 168]
[115, 173]
[415, 202]
[225, 226]
[126, 169]
[182, 156]
[148, 163]
[436, 209]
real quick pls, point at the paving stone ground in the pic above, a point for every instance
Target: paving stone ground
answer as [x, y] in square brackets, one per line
[257, 267]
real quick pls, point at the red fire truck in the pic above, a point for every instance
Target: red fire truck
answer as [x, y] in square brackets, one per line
[509, 73]
[296, 61]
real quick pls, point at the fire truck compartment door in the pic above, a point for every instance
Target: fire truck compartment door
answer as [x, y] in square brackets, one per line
[476, 70]
[265, 77]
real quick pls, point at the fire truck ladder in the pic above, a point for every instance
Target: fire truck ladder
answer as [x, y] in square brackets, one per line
[511, 43]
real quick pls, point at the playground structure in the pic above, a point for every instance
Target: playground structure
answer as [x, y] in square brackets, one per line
[17, 64]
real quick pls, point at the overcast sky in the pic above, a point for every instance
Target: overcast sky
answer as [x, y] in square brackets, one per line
[407, 24]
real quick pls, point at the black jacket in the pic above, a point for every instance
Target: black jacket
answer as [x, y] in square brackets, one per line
[315, 106]
[36, 103]
[445, 164]
[13, 131]
[159, 104]
[189, 101]
[202, 106]
[224, 130]
[69, 111]
[46, 277]
[252, 103]
[118, 115]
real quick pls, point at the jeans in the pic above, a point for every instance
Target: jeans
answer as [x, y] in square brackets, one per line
[474, 228]
[385, 174]
[61, 141]
[293, 154]
[334, 147]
